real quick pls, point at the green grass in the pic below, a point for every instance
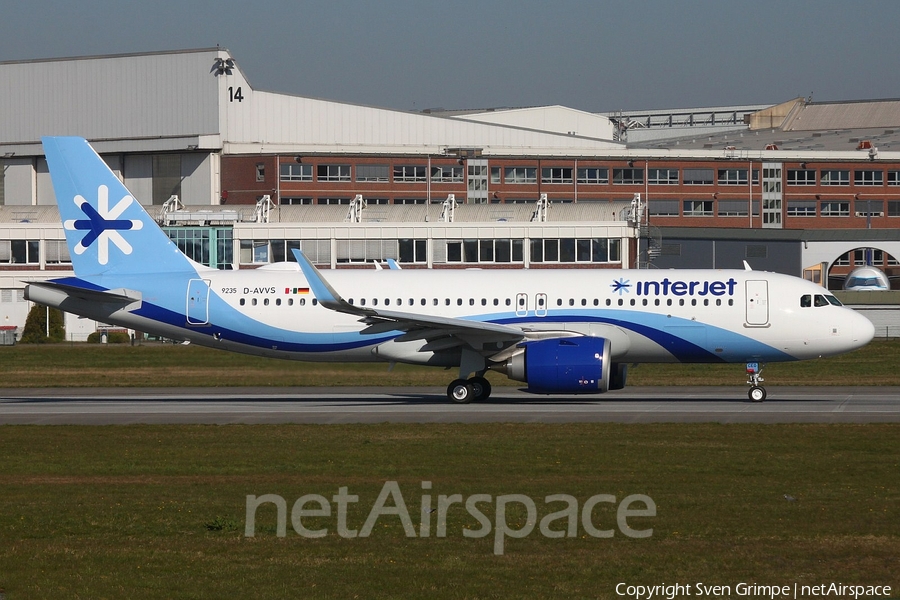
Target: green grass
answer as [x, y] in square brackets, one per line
[80, 365]
[158, 511]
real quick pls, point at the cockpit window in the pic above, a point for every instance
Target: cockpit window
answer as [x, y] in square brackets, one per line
[805, 301]
[820, 300]
[834, 301]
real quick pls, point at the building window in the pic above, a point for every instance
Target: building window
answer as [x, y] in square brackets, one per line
[836, 177]
[260, 172]
[628, 176]
[893, 177]
[576, 250]
[862, 177]
[893, 208]
[663, 208]
[732, 208]
[410, 200]
[520, 175]
[333, 173]
[413, 251]
[373, 173]
[295, 172]
[495, 174]
[293, 201]
[698, 208]
[447, 174]
[20, 252]
[868, 208]
[484, 251]
[409, 174]
[732, 176]
[325, 201]
[801, 177]
[556, 175]
[593, 175]
[835, 209]
[56, 252]
[359, 251]
[662, 176]
[801, 208]
[698, 176]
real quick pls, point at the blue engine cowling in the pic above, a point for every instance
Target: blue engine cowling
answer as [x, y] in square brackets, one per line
[570, 365]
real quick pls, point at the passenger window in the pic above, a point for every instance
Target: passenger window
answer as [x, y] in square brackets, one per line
[303, 301]
[644, 302]
[278, 302]
[608, 302]
[508, 302]
[315, 302]
[459, 301]
[621, 302]
[632, 301]
[290, 301]
[471, 301]
[656, 302]
[571, 301]
[805, 301]
[243, 301]
[484, 301]
[718, 302]
[253, 302]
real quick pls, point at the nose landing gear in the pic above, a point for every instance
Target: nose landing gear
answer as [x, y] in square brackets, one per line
[757, 393]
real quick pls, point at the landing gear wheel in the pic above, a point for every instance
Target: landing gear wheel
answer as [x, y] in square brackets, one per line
[481, 387]
[757, 393]
[460, 391]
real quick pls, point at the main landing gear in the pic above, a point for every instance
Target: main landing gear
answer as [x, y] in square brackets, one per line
[757, 392]
[463, 391]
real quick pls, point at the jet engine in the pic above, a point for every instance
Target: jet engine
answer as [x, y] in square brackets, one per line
[570, 365]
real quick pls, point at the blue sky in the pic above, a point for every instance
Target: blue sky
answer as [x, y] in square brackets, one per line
[412, 55]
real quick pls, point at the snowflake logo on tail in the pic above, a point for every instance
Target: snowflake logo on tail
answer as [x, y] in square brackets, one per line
[103, 224]
[621, 286]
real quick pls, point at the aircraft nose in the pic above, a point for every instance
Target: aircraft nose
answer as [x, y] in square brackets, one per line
[863, 330]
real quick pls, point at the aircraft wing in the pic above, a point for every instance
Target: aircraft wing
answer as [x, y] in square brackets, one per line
[440, 332]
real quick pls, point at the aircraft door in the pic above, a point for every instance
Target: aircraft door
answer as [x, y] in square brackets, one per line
[198, 302]
[521, 305]
[540, 305]
[757, 303]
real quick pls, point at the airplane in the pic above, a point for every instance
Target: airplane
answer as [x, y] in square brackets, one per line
[560, 331]
[867, 279]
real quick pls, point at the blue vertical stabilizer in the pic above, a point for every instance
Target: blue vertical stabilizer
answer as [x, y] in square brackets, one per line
[107, 230]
